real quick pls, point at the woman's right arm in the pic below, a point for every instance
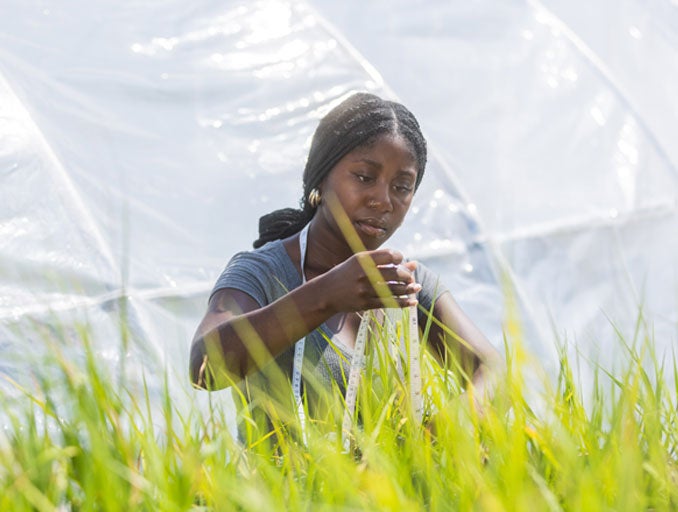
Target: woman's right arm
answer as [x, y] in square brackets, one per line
[237, 336]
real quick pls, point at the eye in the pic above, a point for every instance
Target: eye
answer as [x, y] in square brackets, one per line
[403, 188]
[363, 178]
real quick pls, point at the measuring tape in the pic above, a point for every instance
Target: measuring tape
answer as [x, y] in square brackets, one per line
[397, 347]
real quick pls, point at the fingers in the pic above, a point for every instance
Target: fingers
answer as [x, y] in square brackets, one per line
[396, 273]
[403, 301]
[401, 283]
[394, 285]
[383, 256]
[403, 289]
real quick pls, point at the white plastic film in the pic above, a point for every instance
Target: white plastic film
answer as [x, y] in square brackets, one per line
[141, 141]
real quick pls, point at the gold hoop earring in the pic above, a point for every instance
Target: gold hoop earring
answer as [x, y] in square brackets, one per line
[314, 198]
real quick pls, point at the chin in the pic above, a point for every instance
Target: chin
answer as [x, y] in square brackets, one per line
[374, 242]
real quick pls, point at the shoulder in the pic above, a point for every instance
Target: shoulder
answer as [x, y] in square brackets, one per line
[424, 273]
[264, 273]
[272, 255]
[432, 286]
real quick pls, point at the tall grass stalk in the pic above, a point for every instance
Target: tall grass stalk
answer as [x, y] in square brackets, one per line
[81, 439]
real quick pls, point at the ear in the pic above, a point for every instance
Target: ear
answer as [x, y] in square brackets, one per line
[321, 185]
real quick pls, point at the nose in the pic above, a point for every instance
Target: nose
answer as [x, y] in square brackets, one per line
[380, 198]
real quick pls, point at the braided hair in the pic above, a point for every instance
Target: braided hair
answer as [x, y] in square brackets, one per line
[356, 122]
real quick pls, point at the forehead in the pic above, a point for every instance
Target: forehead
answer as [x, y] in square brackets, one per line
[387, 146]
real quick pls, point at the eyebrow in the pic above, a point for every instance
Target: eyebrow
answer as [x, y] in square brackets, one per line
[368, 161]
[376, 164]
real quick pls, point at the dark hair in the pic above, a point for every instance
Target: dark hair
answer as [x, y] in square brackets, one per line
[355, 122]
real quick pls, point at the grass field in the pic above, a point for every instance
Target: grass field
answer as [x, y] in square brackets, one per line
[546, 447]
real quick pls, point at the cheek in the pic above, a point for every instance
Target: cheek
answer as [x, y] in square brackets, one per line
[404, 203]
[402, 209]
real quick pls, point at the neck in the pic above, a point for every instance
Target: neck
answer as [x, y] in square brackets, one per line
[325, 249]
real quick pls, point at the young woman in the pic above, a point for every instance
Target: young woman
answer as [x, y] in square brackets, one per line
[304, 281]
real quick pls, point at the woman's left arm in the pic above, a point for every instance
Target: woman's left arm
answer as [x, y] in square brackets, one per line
[453, 335]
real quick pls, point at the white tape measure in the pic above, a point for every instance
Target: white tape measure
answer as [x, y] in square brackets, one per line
[397, 347]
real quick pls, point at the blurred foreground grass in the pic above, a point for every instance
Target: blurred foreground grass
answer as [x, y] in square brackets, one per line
[543, 446]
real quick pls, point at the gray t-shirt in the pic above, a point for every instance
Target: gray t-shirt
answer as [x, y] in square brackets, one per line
[268, 273]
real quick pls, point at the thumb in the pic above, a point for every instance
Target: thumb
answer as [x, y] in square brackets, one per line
[411, 266]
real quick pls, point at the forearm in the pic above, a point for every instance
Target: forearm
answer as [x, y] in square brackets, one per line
[461, 345]
[229, 347]
[484, 381]
[481, 367]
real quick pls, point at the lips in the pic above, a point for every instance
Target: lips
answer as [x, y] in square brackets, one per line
[372, 227]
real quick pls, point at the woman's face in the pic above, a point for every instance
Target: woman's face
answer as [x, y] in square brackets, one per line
[374, 185]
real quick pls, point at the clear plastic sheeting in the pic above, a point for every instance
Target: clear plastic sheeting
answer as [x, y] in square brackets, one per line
[557, 119]
[141, 141]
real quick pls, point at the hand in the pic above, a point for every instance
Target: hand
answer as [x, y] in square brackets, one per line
[370, 280]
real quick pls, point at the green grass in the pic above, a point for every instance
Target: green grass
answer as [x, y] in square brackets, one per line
[82, 439]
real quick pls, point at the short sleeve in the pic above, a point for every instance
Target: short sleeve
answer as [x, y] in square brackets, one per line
[243, 273]
[432, 287]
[265, 274]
